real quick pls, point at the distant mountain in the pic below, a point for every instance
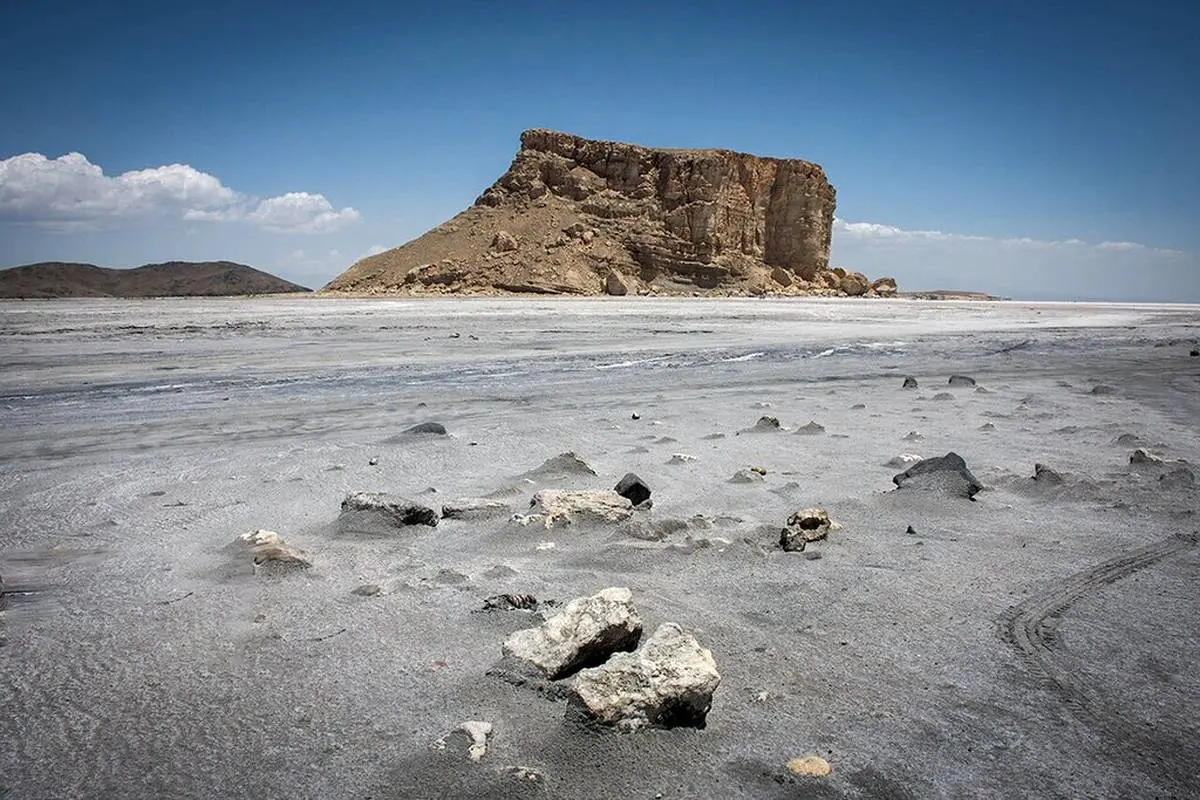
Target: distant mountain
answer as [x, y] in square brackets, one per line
[172, 279]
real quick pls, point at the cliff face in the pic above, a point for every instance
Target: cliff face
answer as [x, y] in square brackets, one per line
[572, 215]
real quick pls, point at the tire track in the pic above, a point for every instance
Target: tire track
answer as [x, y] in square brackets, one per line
[1031, 628]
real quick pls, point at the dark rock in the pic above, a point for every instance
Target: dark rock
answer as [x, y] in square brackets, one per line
[635, 415]
[1143, 456]
[367, 590]
[633, 489]
[396, 511]
[911, 530]
[910, 383]
[766, 423]
[961, 380]
[1102, 388]
[943, 396]
[1195, 353]
[436, 428]
[510, 602]
[948, 473]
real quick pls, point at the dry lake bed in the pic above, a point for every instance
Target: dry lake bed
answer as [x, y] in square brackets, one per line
[1040, 640]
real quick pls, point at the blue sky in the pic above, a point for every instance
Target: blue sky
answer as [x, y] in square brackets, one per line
[1038, 150]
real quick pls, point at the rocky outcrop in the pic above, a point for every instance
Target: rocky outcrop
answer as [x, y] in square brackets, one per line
[577, 216]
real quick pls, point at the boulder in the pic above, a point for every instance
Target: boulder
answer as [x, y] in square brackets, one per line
[948, 474]
[554, 506]
[781, 276]
[504, 242]
[475, 508]
[1195, 353]
[633, 489]
[395, 511]
[616, 284]
[910, 382]
[808, 525]
[854, 284]
[961, 380]
[586, 632]
[766, 424]
[669, 682]
[884, 287]
[271, 552]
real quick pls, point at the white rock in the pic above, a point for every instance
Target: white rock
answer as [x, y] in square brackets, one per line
[903, 460]
[668, 681]
[681, 458]
[477, 730]
[271, 551]
[587, 631]
[554, 506]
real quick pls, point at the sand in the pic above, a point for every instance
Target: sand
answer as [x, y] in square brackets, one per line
[1039, 641]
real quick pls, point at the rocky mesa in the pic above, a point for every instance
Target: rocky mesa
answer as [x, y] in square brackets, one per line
[578, 216]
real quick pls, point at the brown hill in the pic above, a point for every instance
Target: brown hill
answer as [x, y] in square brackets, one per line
[173, 278]
[576, 216]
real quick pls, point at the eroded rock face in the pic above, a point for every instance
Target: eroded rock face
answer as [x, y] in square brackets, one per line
[578, 216]
[586, 632]
[394, 511]
[669, 681]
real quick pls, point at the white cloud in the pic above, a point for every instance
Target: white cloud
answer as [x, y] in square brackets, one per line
[875, 232]
[373, 250]
[70, 192]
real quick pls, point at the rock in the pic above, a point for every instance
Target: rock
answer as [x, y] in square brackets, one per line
[854, 284]
[586, 632]
[903, 460]
[1194, 353]
[476, 731]
[554, 506]
[913, 436]
[1046, 475]
[910, 383]
[858, 406]
[943, 396]
[510, 602]
[746, 476]
[475, 508]
[526, 774]
[911, 531]
[948, 473]
[1143, 456]
[1102, 389]
[811, 766]
[635, 415]
[681, 220]
[615, 284]
[504, 242]
[987, 426]
[395, 511]
[811, 429]
[681, 458]
[367, 590]
[633, 489]
[435, 428]
[373, 461]
[271, 552]
[884, 287]
[766, 424]
[808, 525]
[669, 682]
[961, 380]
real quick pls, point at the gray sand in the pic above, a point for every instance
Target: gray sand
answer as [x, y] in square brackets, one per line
[1040, 641]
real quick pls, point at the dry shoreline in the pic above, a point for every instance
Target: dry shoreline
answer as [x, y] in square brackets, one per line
[1038, 641]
